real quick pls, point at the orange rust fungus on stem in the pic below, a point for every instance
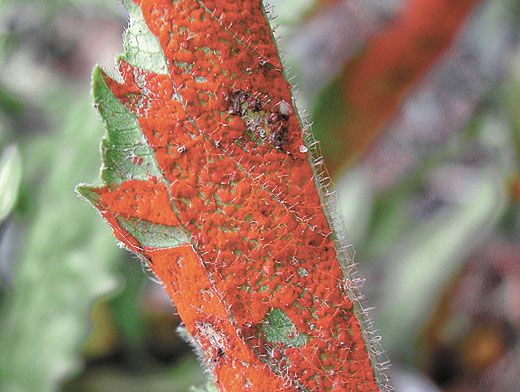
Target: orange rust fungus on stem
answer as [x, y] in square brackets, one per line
[229, 146]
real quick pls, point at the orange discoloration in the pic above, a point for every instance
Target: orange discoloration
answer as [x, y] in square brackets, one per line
[204, 313]
[375, 83]
[259, 238]
[145, 200]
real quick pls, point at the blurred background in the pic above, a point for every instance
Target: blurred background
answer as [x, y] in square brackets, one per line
[417, 107]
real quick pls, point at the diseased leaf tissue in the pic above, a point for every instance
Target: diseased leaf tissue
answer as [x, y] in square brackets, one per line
[205, 174]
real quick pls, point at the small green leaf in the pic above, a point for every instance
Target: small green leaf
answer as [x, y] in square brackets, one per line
[126, 155]
[142, 48]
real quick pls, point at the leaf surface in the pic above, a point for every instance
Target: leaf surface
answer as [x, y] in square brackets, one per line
[207, 176]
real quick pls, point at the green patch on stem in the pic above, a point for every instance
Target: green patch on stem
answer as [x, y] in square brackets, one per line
[206, 388]
[152, 235]
[278, 328]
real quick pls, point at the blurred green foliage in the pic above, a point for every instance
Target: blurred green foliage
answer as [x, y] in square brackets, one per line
[10, 179]
[67, 259]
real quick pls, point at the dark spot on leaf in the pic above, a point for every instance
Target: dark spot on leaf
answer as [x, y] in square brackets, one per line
[254, 104]
[236, 99]
[278, 136]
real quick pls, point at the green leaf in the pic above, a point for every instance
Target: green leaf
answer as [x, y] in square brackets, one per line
[432, 254]
[10, 179]
[10, 104]
[141, 47]
[67, 260]
[356, 198]
[177, 379]
[126, 155]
